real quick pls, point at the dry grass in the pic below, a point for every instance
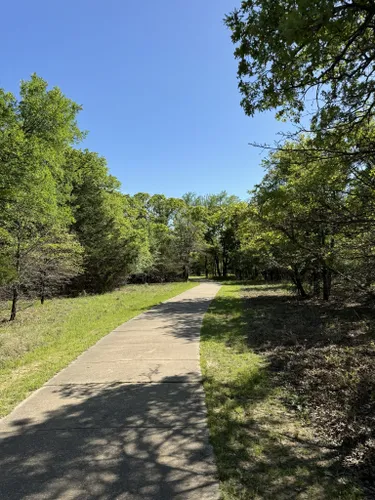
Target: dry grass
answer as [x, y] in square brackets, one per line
[263, 449]
[324, 354]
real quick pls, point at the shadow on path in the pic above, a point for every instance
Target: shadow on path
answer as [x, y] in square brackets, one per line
[135, 441]
[184, 318]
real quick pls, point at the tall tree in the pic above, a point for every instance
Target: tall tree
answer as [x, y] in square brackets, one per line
[53, 263]
[110, 242]
[289, 48]
[216, 213]
[36, 131]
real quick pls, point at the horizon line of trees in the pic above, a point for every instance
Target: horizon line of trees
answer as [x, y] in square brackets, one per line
[65, 226]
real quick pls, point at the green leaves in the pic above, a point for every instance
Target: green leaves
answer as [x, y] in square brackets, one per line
[48, 114]
[35, 132]
[288, 50]
[313, 215]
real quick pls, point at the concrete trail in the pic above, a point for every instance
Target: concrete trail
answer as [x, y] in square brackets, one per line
[125, 420]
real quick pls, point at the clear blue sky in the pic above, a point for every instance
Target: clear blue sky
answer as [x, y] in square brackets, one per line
[157, 81]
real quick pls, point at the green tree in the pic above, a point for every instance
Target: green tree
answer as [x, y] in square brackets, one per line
[312, 219]
[216, 212]
[111, 243]
[188, 239]
[53, 264]
[288, 48]
[35, 133]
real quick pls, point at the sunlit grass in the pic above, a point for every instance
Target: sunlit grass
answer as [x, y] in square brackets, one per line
[44, 339]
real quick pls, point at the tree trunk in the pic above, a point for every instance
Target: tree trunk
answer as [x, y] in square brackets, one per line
[206, 266]
[186, 273]
[316, 283]
[225, 268]
[15, 287]
[301, 290]
[217, 262]
[327, 279]
[298, 282]
[14, 304]
[42, 294]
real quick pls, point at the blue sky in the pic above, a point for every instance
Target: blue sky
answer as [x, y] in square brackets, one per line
[157, 81]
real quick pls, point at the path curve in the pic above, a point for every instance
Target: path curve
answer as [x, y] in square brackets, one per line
[125, 420]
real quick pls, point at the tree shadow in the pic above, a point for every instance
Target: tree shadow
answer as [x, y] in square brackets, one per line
[262, 450]
[180, 319]
[284, 320]
[120, 439]
[325, 353]
[264, 454]
[106, 441]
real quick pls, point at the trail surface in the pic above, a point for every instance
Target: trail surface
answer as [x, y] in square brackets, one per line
[125, 420]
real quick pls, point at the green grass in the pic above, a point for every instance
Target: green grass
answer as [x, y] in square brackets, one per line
[263, 450]
[45, 339]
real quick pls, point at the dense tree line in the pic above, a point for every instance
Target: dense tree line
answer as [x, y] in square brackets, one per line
[66, 227]
[313, 62]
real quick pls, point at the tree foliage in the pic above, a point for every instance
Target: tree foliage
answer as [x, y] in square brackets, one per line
[311, 217]
[290, 49]
[66, 226]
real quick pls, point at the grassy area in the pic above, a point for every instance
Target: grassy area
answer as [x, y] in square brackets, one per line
[44, 339]
[263, 450]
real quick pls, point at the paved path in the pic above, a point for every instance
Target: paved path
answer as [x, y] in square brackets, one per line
[126, 420]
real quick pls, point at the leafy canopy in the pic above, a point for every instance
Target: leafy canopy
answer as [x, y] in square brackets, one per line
[292, 49]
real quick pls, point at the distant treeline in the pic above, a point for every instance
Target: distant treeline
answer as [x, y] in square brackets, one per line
[66, 227]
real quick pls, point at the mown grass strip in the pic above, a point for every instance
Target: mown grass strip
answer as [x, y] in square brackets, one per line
[262, 450]
[45, 339]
